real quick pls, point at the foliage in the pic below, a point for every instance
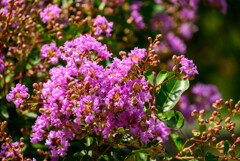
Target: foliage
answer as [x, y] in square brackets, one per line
[82, 92]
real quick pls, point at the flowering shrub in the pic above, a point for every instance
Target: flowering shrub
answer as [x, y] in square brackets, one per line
[83, 93]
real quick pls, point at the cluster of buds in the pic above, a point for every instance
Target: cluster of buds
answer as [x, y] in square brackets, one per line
[187, 67]
[11, 150]
[209, 131]
[153, 57]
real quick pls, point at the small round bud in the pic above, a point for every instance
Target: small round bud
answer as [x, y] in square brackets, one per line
[214, 139]
[150, 39]
[194, 112]
[202, 112]
[77, 18]
[35, 85]
[158, 36]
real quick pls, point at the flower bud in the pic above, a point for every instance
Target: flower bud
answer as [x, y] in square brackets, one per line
[35, 85]
[158, 36]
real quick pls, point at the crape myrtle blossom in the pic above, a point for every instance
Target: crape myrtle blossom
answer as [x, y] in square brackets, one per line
[205, 95]
[220, 3]
[17, 94]
[9, 151]
[2, 57]
[162, 21]
[49, 13]
[178, 17]
[188, 68]
[50, 51]
[84, 94]
[137, 18]
[103, 26]
[176, 44]
[4, 6]
[187, 29]
[137, 55]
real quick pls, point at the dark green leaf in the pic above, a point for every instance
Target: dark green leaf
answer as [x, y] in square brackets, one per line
[210, 157]
[238, 155]
[173, 119]
[177, 140]
[137, 154]
[202, 128]
[150, 77]
[4, 112]
[120, 154]
[161, 77]
[86, 157]
[72, 158]
[121, 130]
[226, 146]
[103, 157]
[21, 65]
[89, 141]
[170, 92]
[141, 157]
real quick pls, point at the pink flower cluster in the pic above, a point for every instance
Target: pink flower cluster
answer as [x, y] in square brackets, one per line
[9, 151]
[83, 97]
[49, 13]
[103, 26]
[176, 22]
[188, 68]
[50, 51]
[137, 18]
[17, 94]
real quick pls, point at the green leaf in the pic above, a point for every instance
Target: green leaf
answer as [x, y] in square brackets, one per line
[4, 112]
[137, 155]
[101, 6]
[72, 158]
[89, 141]
[177, 140]
[158, 8]
[21, 65]
[173, 119]
[103, 157]
[86, 157]
[161, 77]
[141, 157]
[150, 77]
[121, 130]
[202, 128]
[210, 157]
[238, 155]
[170, 92]
[120, 154]
[196, 133]
[31, 115]
[226, 146]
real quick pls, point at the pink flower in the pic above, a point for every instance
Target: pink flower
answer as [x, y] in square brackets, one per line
[103, 26]
[50, 12]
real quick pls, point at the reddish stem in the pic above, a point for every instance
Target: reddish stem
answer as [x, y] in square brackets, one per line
[166, 80]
